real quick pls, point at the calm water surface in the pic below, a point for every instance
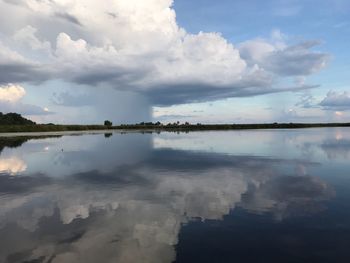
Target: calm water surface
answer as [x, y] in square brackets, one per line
[233, 196]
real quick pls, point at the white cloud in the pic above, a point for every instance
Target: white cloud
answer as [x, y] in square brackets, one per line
[138, 46]
[10, 101]
[11, 93]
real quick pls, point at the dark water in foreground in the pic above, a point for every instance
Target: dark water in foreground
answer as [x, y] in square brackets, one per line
[234, 196]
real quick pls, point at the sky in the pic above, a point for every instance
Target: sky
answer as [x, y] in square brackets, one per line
[199, 61]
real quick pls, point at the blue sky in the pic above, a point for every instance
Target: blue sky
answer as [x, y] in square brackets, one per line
[238, 21]
[197, 61]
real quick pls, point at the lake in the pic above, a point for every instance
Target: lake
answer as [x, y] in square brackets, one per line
[218, 196]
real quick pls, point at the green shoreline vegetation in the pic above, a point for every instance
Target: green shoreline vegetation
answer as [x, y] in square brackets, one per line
[13, 122]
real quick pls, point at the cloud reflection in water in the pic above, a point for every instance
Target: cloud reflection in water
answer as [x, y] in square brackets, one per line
[116, 208]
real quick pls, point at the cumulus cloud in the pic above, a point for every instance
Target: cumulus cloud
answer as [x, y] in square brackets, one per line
[336, 101]
[10, 101]
[11, 93]
[138, 46]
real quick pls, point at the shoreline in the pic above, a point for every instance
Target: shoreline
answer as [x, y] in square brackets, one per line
[37, 130]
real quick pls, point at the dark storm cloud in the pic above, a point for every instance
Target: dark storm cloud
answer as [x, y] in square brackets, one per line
[22, 72]
[177, 94]
[120, 77]
[104, 75]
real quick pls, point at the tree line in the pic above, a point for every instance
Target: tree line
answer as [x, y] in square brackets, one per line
[14, 119]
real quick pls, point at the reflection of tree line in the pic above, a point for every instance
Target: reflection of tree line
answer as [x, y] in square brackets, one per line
[13, 165]
[17, 141]
[169, 127]
[11, 142]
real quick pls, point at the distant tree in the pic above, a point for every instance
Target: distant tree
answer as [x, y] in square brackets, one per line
[14, 119]
[108, 123]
